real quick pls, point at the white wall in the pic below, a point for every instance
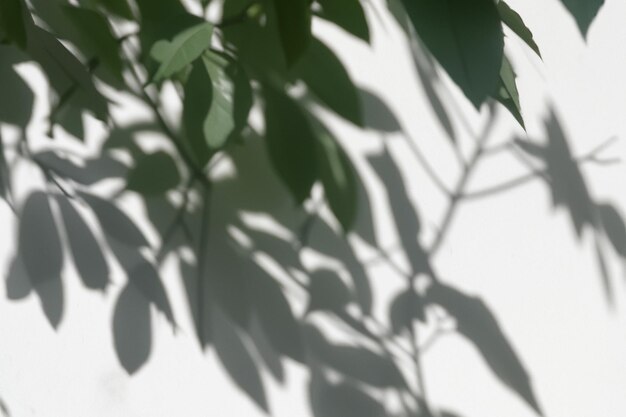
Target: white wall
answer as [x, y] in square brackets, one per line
[512, 249]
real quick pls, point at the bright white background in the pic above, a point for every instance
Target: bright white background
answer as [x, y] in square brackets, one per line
[512, 249]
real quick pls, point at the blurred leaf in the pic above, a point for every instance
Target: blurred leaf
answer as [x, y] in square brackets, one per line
[266, 351]
[93, 171]
[405, 309]
[347, 14]
[291, 143]
[361, 364]
[86, 251]
[115, 223]
[18, 285]
[327, 292]
[185, 48]
[119, 8]
[508, 94]
[341, 400]
[614, 227]
[96, 32]
[329, 81]
[19, 109]
[155, 173]
[132, 329]
[235, 356]
[294, 27]
[584, 12]
[478, 324]
[466, 38]
[41, 253]
[515, 22]
[12, 22]
[276, 317]
[376, 113]
[338, 178]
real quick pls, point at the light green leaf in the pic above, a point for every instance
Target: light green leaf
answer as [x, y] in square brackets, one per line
[338, 178]
[291, 143]
[12, 23]
[95, 31]
[584, 12]
[185, 48]
[294, 27]
[466, 38]
[329, 81]
[514, 21]
[154, 174]
[508, 94]
[347, 14]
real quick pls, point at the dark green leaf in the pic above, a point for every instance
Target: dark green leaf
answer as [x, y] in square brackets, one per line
[12, 22]
[294, 27]
[348, 14]
[329, 81]
[96, 32]
[516, 24]
[185, 48]
[466, 38]
[198, 97]
[614, 227]
[478, 324]
[584, 12]
[119, 8]
[291, 143]
[154, 174]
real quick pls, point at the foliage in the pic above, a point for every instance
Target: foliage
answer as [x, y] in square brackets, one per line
[260, 60]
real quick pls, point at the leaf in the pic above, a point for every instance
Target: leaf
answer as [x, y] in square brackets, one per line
[614, 227]
[96, 32]
[294, 27]
[86, 251]
[41, 253]
[115, 223]
[508, 94]
[338, 178]
[237, 360]
[198, 96]
[584, 12]
[276, 317]
[405, 309]
[119, 8]
[466, 38]
[477, 323]
[66, 74]
[515, 22]
[93, 171]
[154, 174]
[347, 14]
[12, 22]
[377, 115]
[19, 109]
[132, 329]
[328, 80]
[291, 143]
[341, 400]
[266, 351]
[185, 48]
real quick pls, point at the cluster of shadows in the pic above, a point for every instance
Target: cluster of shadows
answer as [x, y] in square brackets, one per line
[243, 280]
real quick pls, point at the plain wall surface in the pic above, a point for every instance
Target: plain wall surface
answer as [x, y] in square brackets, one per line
[513, 249]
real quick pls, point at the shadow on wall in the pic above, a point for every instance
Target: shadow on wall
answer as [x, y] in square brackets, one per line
[240, 244]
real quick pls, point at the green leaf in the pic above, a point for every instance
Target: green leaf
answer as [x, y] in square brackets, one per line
[119, 8]
[291, 143]
[185, 48]
[95, 31]
[466, 38]
[584, 12]
[477, 323]
[338, 178]
[514, 21]
[508, 94]
[12, 22]
[329, 81]
[198, 95]
[154, 174]
[347, 14]
[294, 27]
[66, 74]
